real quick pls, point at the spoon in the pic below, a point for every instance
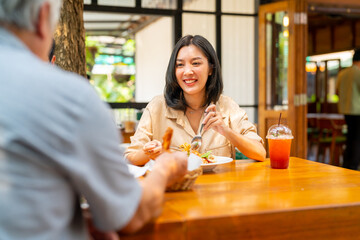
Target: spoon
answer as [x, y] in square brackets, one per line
[196, 141]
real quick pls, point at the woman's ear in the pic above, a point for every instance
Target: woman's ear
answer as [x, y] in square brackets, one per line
[211, 69]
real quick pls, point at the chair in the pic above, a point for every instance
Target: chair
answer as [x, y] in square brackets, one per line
[239, 155]
[330, 138]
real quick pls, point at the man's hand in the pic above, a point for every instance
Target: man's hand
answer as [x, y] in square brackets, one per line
[173, 165]
[168, 168]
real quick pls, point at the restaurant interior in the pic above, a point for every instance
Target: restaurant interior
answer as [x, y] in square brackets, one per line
[266, 158]
[270, 65]
[280, 61]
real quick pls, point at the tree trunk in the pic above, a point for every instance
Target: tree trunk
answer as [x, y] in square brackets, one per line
[70, 38]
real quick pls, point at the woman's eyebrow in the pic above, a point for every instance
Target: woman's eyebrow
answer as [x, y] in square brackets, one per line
[195, 58]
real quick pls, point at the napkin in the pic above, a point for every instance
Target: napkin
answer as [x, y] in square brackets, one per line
[137, 171]
[194, 162]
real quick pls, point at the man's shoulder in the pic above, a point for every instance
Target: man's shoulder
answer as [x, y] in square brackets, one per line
[72, 80]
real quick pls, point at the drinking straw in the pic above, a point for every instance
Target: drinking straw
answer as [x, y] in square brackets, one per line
[279, 119]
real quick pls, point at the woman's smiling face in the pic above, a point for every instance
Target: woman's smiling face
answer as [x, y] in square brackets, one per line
[192, 70]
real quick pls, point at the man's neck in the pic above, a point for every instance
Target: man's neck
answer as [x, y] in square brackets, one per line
[29, 39]
[357, 64]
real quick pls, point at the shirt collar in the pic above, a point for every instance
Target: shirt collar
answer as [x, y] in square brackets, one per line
[9, 39]
[175, 114]
[181, 118]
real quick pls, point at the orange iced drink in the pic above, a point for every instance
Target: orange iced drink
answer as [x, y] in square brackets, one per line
[279, 138]
[279, 150]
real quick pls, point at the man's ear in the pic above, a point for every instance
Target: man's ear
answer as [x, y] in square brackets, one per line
[43, 21]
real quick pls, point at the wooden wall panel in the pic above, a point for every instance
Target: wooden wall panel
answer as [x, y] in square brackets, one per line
[311, 36]
[336, 2]
[323, 40]
[343, 37]
[357, 34]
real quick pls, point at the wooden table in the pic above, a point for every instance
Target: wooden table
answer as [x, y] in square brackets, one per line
[249, 200]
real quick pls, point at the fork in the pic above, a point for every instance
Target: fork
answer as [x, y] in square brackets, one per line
[197, 139]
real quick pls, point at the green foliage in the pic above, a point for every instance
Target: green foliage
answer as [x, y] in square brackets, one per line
[129, 47]
[112, 91]
[111, 87]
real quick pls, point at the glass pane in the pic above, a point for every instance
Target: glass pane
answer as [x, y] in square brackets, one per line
[110, 54]
[87, 1]
[111, 67]
[117, 3]
[321, 82]
[199, 5]
[161, 4]
[311, 86]
[200, 24]
[238, 58]
[311, 81]
[333, 70]
[238, 6]
[277, 50]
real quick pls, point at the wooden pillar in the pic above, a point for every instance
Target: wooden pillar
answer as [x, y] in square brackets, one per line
[297, 75]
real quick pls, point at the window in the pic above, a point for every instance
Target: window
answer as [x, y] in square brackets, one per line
[152, 27]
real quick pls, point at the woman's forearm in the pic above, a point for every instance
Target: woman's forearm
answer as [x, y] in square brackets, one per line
[138, 158]
[249, 147]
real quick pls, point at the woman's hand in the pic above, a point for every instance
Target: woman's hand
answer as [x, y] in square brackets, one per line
[153, 149]
[249, 147]
[213, 120]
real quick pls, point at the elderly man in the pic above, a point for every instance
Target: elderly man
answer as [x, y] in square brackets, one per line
[58, 142]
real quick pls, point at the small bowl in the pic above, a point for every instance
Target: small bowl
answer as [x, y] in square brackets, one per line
[187, 182]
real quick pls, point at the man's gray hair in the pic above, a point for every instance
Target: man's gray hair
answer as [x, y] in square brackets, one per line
[24, 13]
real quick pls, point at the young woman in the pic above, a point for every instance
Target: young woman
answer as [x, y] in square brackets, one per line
[192, 96]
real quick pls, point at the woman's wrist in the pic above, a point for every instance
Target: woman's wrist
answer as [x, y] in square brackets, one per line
[226, 131]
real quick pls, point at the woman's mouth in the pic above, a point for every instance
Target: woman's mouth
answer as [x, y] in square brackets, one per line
[190, 81]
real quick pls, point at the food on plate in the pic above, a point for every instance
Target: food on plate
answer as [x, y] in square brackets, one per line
[206, 157]
[167, 139]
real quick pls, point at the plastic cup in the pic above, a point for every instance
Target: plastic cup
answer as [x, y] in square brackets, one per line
[129, 126]
[279, 138]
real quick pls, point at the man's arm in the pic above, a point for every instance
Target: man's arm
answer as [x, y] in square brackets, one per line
[169, 168]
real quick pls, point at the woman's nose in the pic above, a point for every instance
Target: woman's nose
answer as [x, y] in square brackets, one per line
[188, 70]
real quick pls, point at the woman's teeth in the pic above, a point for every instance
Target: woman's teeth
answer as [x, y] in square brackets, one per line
[189, 81]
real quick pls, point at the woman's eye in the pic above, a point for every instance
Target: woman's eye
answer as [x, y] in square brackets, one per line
[196, 63]
[179, 65]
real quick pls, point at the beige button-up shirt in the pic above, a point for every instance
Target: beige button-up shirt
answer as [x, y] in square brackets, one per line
[157, 117]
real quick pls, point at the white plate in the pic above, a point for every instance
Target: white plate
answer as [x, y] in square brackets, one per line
[207, 167]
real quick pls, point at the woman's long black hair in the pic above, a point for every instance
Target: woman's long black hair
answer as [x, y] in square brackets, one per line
[173, 93]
